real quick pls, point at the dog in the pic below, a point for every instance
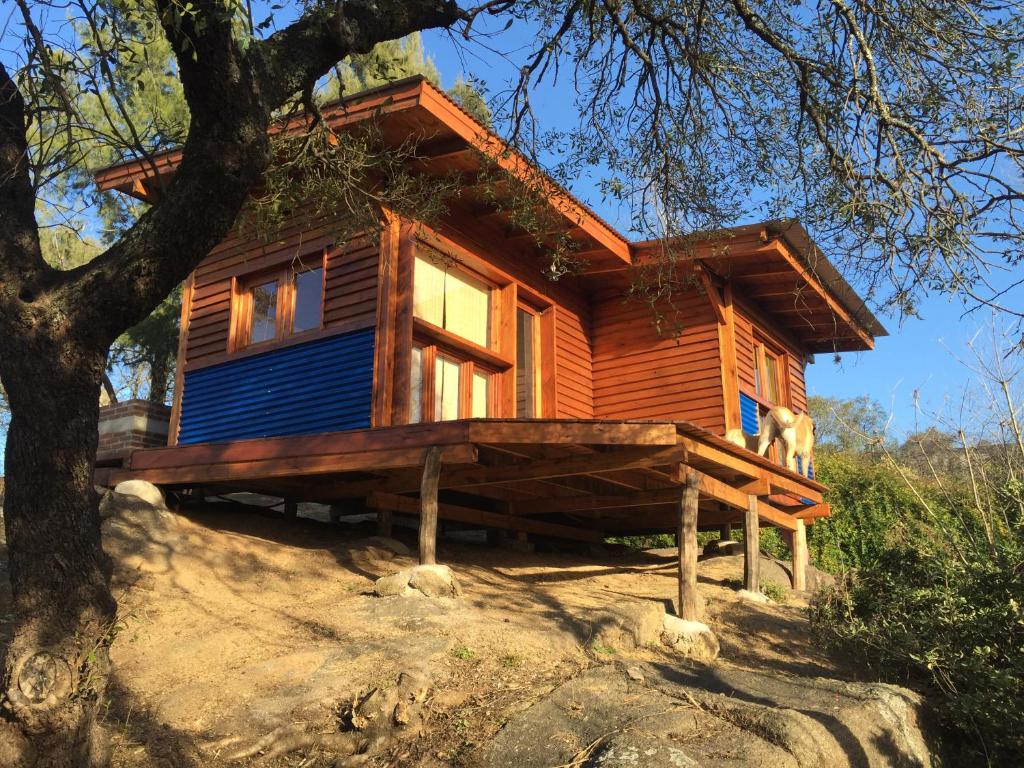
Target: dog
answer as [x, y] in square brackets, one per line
[742, 439]
[796, 432]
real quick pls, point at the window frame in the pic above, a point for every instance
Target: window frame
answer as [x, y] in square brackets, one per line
[437, 342]
[285, 276]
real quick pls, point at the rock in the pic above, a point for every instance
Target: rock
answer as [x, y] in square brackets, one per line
[143, 490]
[426, 580]
[696, 715]
[393, 584]
[393, 546]
[753, 597]
[720, 548]
[435, 581]
[634, 673]
[690, 638]
[628, 624]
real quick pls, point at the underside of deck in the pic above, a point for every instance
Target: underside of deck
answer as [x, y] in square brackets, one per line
[582, 480]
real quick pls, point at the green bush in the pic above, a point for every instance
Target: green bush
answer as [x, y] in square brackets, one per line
[936, 603]
[870, 503]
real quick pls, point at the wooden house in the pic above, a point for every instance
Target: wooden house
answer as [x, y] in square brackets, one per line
[325, 372]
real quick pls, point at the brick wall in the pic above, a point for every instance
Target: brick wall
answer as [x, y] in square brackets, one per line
[128, 426]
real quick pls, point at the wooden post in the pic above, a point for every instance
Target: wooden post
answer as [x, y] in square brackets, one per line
[291, 508]
[686, 535]
[428, 506]
[751, 548]
[799, 551]
[384, 521]
[725, 532]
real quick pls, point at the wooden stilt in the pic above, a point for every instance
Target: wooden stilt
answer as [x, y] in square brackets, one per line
[686, 535]
[291, 508]
[799, 551]
[385, 518]
[428, 506]
[751, 548]
[725, 532]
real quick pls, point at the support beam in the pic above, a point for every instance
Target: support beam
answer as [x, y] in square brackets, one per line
[385, 522]
[751, 548]
[291, 508]
[725, 532]
[797, 541]
[428, 506]
[686, 536]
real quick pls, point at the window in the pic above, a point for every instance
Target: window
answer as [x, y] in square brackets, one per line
[768, 365]
[278, 304]
[527, 347]
[453, 365]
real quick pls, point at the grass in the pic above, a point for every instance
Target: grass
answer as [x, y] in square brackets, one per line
[774, 592]
[464, 653]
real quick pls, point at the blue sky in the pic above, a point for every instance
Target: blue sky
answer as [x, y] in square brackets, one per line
[919, 356]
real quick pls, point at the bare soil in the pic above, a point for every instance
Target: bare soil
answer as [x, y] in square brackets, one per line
[235, 623]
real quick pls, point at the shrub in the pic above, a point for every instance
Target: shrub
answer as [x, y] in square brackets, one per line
[941, 608]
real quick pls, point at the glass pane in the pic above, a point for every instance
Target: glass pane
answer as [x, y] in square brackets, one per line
[416, 387]
[309, 288]
[446, 390]
[757, 372]
[451, 300]
[771, 375]
[428, 291]
[264, 313]
[481, 394]
[526, 391]
[467, 307]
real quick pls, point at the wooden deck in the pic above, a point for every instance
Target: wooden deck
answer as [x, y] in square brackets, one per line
[574, 479]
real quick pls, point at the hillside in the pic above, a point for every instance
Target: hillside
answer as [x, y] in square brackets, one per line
[244, 635]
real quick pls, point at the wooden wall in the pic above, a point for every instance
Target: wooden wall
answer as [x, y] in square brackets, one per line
[350, 285]
[641, 374]
[746, 323]
[574, 370]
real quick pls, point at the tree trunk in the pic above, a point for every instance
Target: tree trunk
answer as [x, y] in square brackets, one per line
[55, 668]
[159, 373]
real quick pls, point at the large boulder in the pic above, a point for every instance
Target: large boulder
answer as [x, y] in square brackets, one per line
[627, 624]
[423, 580]
[689, 638]
[680, 716]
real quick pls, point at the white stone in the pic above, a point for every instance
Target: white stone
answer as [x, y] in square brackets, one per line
[753, 597]
[144, 490]
[690, 638]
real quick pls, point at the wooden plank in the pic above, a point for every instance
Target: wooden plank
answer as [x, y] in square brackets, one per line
[385, 522]
[720, 457]
[752, 548]
[579, 433]
[798, 549]
[646, 456]
[730, 375]
[776, 516]
[179, 367]
[384, 336]
[403, 326]
[428, 506]
[814, 511]
[548, 365]
[462, 514]
[686, 538]
[299, 466]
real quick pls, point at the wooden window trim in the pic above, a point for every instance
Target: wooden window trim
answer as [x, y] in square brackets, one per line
[457, 346]
[241, 308]
[538, 357]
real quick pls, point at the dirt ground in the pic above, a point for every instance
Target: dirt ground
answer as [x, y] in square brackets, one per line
[235, 623]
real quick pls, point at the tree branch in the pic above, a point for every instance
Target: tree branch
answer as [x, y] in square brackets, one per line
[21, 259]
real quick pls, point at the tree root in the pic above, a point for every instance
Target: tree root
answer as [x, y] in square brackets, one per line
[370, 723]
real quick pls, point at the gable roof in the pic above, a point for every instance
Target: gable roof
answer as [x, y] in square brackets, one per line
[775, 263]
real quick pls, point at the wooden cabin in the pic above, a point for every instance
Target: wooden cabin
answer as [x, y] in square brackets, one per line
[319, 371]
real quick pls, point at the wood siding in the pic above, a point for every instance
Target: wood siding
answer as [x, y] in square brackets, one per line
[350, 283]
[746, 328]
[641, 374]
[574, 371]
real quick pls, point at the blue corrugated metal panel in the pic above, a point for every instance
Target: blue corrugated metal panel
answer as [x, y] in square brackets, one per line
[748, 415]
[324, 385]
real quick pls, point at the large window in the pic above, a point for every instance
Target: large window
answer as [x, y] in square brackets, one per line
[453, 365]
[767, 370]
[277, 304]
